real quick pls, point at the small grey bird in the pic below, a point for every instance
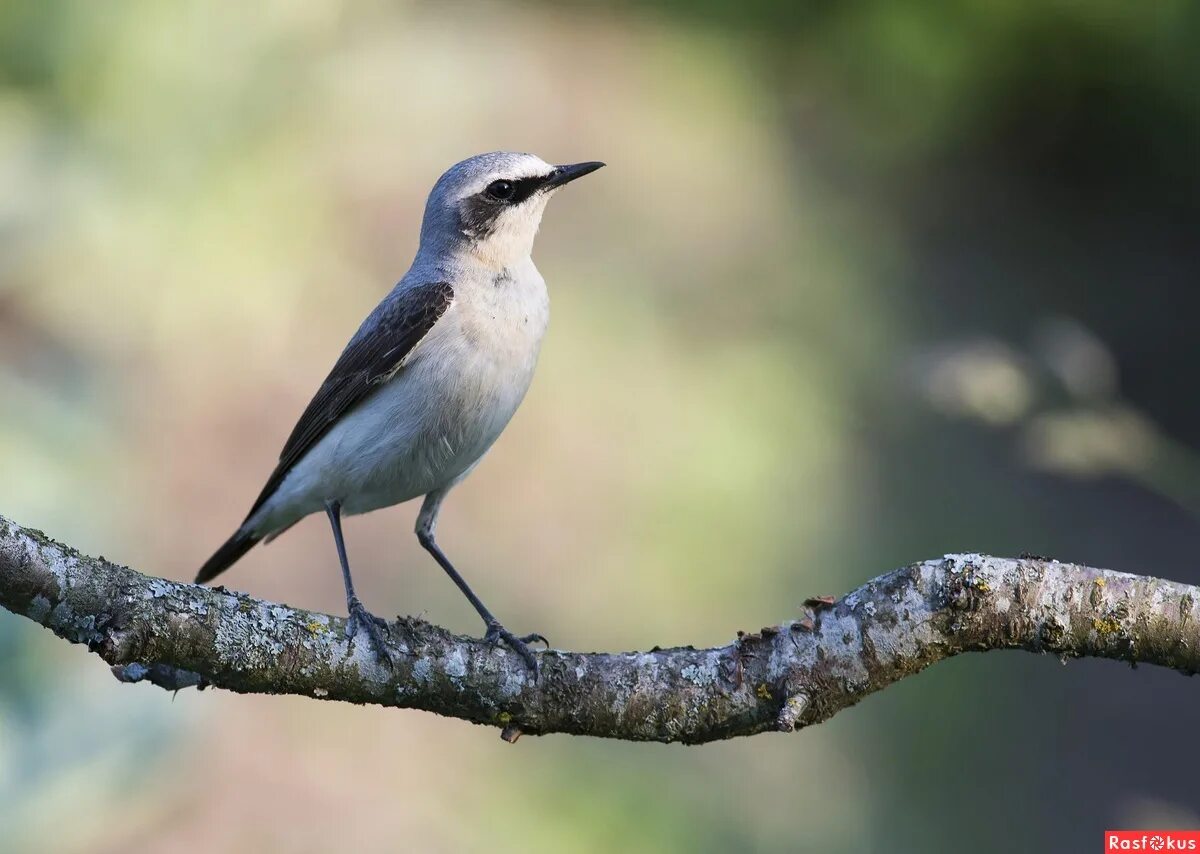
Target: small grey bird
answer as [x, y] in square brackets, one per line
[430, 379]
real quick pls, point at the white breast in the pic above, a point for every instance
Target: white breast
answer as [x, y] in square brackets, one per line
[430, 424]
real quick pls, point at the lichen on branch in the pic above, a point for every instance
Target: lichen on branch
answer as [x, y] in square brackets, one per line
[783, 677]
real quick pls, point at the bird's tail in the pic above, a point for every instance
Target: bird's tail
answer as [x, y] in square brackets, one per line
[226, 556]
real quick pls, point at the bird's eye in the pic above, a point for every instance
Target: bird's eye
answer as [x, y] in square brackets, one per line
[502, 190]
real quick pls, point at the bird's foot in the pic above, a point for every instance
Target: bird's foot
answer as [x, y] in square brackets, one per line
[497, 634]
[361, 618]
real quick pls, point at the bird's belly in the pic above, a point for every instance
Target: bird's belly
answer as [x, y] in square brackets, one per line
[430, 425]
[419, 446]
[425, 428]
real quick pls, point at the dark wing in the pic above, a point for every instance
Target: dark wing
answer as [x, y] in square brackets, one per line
[373, 356]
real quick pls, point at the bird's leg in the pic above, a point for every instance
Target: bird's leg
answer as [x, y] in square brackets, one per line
[496, 633]
[360, 617]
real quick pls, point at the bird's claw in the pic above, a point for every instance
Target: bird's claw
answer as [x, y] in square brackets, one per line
[534, 637]
[361, 618]
[497, 634]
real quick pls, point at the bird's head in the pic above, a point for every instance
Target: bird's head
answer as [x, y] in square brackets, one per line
[494, 202]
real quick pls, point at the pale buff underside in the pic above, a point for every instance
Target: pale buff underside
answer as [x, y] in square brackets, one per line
[428, 426]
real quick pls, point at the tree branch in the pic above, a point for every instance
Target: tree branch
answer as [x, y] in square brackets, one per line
[779, 678]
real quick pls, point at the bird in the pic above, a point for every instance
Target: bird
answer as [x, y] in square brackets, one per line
[428, 382]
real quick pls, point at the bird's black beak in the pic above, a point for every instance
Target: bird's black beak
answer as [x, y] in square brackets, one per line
[568, 173]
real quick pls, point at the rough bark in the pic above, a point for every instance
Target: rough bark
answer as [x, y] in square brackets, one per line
[782, 677]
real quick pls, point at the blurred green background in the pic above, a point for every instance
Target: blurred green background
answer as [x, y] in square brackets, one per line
[863, 283]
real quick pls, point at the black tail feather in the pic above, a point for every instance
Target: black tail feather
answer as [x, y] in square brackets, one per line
[226, 556]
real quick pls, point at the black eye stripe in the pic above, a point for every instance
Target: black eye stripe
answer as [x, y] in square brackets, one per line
[522, 188]
[478, 213]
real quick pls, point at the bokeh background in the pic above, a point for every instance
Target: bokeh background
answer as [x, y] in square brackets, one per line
[864, 283]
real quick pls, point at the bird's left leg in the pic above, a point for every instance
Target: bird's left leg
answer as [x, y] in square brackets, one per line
[426, 523]
[360, 617]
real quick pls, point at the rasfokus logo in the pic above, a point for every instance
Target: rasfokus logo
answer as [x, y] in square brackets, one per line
[1152, 840]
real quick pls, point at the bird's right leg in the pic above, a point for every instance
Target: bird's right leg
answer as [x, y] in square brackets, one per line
[360, 617]
[496, 633]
